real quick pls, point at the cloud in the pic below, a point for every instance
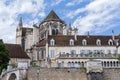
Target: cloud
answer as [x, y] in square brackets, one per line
[10, 11]
[74, 2]
[56, 2]
[72, 14]
[101, 15]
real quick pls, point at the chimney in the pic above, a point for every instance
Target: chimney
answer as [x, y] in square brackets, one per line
[113, 36]
[75, 34]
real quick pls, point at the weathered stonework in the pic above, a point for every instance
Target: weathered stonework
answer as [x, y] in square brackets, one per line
[69, 74]
[111, 74]
[56, 74]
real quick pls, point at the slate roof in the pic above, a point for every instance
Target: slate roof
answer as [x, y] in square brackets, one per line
[41, 43]
[16, 51]
[62, 40]
[52, 16]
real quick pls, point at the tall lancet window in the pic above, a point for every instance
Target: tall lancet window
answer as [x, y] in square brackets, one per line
[54, 31]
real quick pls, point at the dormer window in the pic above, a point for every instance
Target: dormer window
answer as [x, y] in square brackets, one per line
[52, 42]
[98, 42]
[84, 42]
[110, 42]
[71, 42]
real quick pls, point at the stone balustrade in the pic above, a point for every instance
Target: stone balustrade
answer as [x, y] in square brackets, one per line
[98, 56]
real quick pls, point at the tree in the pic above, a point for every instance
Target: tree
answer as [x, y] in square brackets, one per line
[4, 56]
[118, 58]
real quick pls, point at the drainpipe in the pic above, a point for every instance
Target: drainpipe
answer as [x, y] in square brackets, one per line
[47, 50]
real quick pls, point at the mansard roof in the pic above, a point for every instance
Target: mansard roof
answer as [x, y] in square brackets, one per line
[52, 16]
[16, 51]
[24, 30]
[62, 40]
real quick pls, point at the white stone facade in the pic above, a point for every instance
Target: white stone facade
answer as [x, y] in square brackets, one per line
[54, 44]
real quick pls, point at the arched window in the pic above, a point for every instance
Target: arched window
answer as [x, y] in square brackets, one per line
[110, 42]
[56, 31]
[69, 64]
[71, 42]
[12, 77]
[52, 42]
[98, 42]
[53, 32]
[84, 42]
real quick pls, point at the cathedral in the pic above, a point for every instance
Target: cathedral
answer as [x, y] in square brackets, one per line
[53, 43]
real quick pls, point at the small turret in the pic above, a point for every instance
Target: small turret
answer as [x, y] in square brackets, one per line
[75, 33]
[19, 32]
[20, 22]
[88, 34]
[69, 29]
[113, 36]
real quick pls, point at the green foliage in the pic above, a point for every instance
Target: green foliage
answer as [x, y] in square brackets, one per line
[83, 69]
[4, 57]
[119, 58]
[13, 65]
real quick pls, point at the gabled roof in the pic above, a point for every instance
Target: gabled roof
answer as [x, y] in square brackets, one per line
[16, 51]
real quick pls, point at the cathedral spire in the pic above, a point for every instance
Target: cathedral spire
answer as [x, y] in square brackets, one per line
[20, 22]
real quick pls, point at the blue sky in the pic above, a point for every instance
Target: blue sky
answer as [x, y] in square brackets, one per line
[99, 17]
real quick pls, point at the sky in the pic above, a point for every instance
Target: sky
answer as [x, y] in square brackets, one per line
[99, 17]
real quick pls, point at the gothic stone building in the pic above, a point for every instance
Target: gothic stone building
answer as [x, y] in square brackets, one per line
[55, 44]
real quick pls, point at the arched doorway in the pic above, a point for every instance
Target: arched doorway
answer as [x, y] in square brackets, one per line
[12, 76]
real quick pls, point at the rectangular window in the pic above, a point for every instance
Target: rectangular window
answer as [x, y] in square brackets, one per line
[42, 54]
[109, 51]
[114, 51]
[102, 51]
[95, 51]
[73, 52]
[89, 51]
[82, 51]
[52, 53]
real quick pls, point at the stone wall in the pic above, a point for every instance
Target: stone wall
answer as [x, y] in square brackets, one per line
[56, 74]
[111, 74]
[69, 74]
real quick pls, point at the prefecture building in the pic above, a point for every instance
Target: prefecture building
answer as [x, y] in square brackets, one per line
[53, 43]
